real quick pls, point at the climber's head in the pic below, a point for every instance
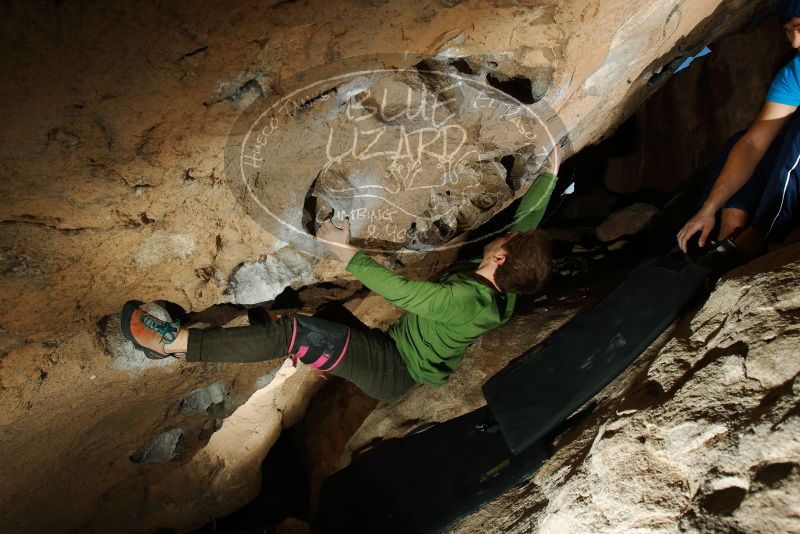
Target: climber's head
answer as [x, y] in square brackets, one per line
[521, 261]
[792, 29]
[789, 15]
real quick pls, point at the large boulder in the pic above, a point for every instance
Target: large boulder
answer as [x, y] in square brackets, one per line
[700, 435]
[115, 124]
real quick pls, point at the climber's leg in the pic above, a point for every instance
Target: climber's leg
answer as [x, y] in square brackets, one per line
[367, 358]
[373, 363]
[159, 339]
[779, 207]
[732, 221]
[252, 343]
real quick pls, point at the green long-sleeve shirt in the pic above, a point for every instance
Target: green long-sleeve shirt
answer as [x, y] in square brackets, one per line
[443, 318]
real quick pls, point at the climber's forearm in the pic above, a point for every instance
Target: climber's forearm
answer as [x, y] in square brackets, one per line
[337, 240]
[740, 165]
[534, 204]
[747, 153]
[343, 252]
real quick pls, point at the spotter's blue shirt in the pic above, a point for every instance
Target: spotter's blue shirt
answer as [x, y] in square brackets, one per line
[785, 88]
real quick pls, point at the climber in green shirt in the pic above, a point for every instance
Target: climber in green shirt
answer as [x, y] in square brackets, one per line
[425, 345]
[445, 317]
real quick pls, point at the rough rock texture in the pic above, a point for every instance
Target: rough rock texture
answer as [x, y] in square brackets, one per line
[683, 127]
[106, 433]
[702, 434]
[627, 221]
[113, 185]
[722, 454]
[114, 181]
[223, 476]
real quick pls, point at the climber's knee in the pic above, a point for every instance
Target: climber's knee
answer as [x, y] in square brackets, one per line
[732, 220]
[318, 342]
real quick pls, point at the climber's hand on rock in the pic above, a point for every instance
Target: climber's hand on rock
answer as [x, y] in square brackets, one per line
[702, 222]
[329, 234]
[337, 240]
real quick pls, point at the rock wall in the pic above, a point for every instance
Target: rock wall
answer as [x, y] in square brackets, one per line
[664, 475]
[116, 118]
[700, 435]
[682, 127]
[113, 176]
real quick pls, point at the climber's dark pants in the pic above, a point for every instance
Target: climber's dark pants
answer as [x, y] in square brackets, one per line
[772, 194]
[371, 362]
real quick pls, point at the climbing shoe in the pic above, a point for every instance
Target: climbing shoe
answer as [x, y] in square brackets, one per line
[147, 332]
[721, 257]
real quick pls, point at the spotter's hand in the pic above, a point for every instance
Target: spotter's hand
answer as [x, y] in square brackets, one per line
[703, 222]
[337, 240]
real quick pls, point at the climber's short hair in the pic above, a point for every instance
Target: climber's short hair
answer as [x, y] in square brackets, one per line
[787, 10]
[528, 264]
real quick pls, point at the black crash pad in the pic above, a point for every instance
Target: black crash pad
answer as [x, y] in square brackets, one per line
[541, 389]
[424, 481]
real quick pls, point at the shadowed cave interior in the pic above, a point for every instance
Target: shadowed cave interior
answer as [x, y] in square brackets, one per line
[118, 185]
